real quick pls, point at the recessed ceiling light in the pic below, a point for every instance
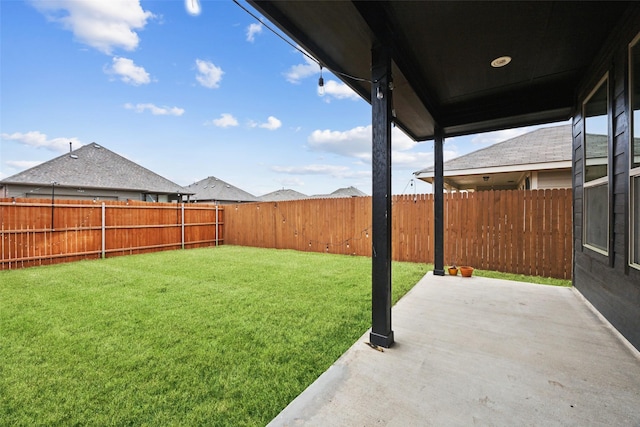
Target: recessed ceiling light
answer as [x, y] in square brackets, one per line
[501, 61]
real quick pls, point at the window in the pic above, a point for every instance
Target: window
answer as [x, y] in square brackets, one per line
[596, 168]
[634, 151]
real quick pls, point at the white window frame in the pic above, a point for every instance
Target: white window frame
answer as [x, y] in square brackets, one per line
[634, 216]
[586, 185]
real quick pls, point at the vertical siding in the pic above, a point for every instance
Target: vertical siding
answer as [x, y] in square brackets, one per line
[609, 283]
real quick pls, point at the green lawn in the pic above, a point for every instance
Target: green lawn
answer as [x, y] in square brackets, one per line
[522, 278]
[216, 336]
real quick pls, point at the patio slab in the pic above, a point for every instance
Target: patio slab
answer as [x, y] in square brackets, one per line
[477, 351]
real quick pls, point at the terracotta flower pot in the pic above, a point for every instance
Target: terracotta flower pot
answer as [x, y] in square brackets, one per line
[453, 271]
[466, 271]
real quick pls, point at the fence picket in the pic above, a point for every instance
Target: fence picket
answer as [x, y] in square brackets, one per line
[528, 232]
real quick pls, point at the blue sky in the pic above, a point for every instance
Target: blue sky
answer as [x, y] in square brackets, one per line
[188, 90]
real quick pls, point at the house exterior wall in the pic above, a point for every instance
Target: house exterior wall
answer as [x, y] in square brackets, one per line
[606, 278]
[44, 192]
[554, 179]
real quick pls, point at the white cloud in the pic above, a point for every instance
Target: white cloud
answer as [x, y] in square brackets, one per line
[39, 140]
[252, 30]
[301, 71]
[310, 169]
[155, 110]
[193, 7]
[103, 25]
[208, 75]
[271, 124]
[334, 171]
[411, 160]
[225, 120]
[339, 90]
[356, 143]
[129, 72]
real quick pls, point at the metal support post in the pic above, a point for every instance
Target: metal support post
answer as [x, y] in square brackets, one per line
[381, 103]
[438, 203]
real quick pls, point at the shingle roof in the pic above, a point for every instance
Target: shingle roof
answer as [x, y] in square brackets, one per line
[93, 166]
[283, 195]
[343, 192]
[551, 144]
[212, 188]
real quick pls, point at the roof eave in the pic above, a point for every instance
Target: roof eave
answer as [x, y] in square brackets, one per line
[565, 164]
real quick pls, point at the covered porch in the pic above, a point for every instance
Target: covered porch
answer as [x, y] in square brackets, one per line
[478, 351]
[442, 69]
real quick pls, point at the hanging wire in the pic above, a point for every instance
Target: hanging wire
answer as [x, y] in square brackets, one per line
[405, 187]
[296, 47]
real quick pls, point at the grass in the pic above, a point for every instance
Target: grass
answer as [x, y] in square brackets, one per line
[224, 336]
[522, 278]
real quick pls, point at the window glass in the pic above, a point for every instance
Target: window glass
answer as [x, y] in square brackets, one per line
[597, 224]
[596, 130]
[596, 168]
[635, 217]
[634, 152]
[635, 99]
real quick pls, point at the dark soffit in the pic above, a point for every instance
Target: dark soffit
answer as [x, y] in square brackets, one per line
[442, 52]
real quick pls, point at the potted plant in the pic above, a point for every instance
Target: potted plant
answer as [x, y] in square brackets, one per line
[466, 271]
[453, 270]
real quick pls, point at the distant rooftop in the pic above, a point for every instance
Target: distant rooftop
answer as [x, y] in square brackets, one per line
[93, 166]
[282, 195]
[551, 144]
[216, 190]
[343, 192]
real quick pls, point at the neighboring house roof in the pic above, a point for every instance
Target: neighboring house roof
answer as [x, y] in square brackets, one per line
[215, 189]
[282, 195]
[542, 146]
[93, 166]
[343, 192]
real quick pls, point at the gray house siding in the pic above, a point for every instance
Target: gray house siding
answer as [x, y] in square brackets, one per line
[556, 179]
[44, 192]
[608, 281]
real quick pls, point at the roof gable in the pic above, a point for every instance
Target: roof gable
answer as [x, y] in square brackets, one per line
[93, 166]
[342, 192]
[212, 188]
[282, 195]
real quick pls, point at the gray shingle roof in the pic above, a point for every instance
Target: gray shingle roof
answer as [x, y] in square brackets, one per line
[283, 195]
[342, 192]
[215, 189]
[93, 166]
[551, 144]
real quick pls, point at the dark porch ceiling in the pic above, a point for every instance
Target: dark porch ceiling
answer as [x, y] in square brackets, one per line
[442, 52]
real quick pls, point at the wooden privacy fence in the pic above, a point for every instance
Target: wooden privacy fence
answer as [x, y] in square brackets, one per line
[520, 231]
[38, 232]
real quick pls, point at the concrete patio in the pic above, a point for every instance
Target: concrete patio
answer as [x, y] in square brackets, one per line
[476, 351]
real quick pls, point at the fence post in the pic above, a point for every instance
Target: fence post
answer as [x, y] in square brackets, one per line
[103, 230]
[182, 236]
[216, 225]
